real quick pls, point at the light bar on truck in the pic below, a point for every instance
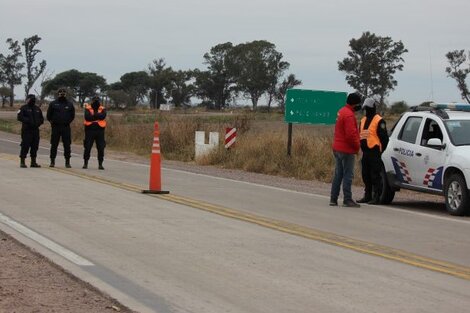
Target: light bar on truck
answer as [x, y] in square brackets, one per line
[452, 106]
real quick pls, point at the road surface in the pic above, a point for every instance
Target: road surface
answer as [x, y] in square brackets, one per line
[220, 245]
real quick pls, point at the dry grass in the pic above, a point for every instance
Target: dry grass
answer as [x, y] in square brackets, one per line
[261, 145]
[311, 156]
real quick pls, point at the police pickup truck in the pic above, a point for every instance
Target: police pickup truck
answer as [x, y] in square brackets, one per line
[429, 151]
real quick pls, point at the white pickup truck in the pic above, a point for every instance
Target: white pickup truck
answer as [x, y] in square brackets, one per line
[429, 151]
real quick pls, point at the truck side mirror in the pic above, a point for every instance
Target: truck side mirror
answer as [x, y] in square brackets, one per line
[435, 143]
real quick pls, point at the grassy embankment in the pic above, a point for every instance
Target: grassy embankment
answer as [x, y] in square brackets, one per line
[261, 145]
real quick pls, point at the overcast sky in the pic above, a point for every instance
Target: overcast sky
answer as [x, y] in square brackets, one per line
[113, 37]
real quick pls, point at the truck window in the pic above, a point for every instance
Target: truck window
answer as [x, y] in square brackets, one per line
[409, 132]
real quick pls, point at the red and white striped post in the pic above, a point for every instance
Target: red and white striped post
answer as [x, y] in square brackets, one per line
[155, 182]
[230, 137]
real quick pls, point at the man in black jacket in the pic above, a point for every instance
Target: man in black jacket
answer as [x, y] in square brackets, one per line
[30, 115]
[60, 114]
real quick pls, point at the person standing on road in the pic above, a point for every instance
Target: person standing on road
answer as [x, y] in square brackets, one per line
[95, 124]
[30, 115]
[374, 140]
[60, 114]
[345, 146]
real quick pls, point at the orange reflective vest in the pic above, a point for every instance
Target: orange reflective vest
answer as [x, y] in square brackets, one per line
[101, 123]
[370, 134]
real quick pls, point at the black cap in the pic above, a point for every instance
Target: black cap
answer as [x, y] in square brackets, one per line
[353, 98]
[31, 96]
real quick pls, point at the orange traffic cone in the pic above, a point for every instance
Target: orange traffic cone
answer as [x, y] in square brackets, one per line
[155, 184]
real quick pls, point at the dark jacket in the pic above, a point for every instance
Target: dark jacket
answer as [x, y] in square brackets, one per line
[60, 112]
[31, 117]
[346, 138]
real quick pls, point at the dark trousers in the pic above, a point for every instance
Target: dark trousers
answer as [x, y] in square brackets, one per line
[58, 132]
[91, 136]
[371, 168]
[29, 142]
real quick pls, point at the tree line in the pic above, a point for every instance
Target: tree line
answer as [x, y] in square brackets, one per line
[251, 70]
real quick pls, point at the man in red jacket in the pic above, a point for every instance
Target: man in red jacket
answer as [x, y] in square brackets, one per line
[346, 145]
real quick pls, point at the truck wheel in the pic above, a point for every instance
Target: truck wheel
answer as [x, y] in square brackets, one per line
[456, 195]
[388, 193]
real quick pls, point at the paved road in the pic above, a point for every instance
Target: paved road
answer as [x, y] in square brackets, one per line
[263, 251]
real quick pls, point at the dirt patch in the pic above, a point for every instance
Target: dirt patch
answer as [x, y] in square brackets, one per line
[31, 283]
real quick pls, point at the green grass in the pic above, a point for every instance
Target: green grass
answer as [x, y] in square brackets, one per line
[11, 126]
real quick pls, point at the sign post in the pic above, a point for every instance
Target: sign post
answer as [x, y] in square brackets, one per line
[304, 106]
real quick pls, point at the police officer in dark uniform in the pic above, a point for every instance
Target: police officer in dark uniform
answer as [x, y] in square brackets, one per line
[30, 115]
[60, 114]
[95, 124]
[374, 139]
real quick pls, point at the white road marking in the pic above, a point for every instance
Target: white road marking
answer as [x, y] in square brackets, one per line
[56, 248]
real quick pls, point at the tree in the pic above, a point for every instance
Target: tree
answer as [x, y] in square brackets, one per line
[11, 67]
[119, 97]
[181, 89]
[256, 66]
[4, 94]
[281, 90]
[160, 79]
[89, 85]
[456, 71]
[399, 107]
[45, 77]
[136, 85]
[215, 86]
[371, 64]
[67, 79]
[83, 85]
[276, 73]
[32, 71]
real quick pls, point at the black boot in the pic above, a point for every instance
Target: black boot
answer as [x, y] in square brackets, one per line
[22, 163]
[365, 199]
[67, 163]
[100, 165]
[375, 199]
[34, 163]
[52, 164]
[85, 164]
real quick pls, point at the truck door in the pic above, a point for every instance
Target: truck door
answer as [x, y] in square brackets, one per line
[404, 151]
[430, 160]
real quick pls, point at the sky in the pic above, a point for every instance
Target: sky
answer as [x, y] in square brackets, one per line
[114, 37]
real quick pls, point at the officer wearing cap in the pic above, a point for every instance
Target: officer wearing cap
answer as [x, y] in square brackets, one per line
[374, 139]
[60, 114]
[95, 124]
[30, 115]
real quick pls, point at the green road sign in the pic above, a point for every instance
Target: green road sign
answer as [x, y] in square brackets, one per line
[313, 106]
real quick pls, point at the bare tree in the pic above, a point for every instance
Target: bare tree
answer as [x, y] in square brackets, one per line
[32, 71]
[44, 78]
[11, 67]
[457, 71]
